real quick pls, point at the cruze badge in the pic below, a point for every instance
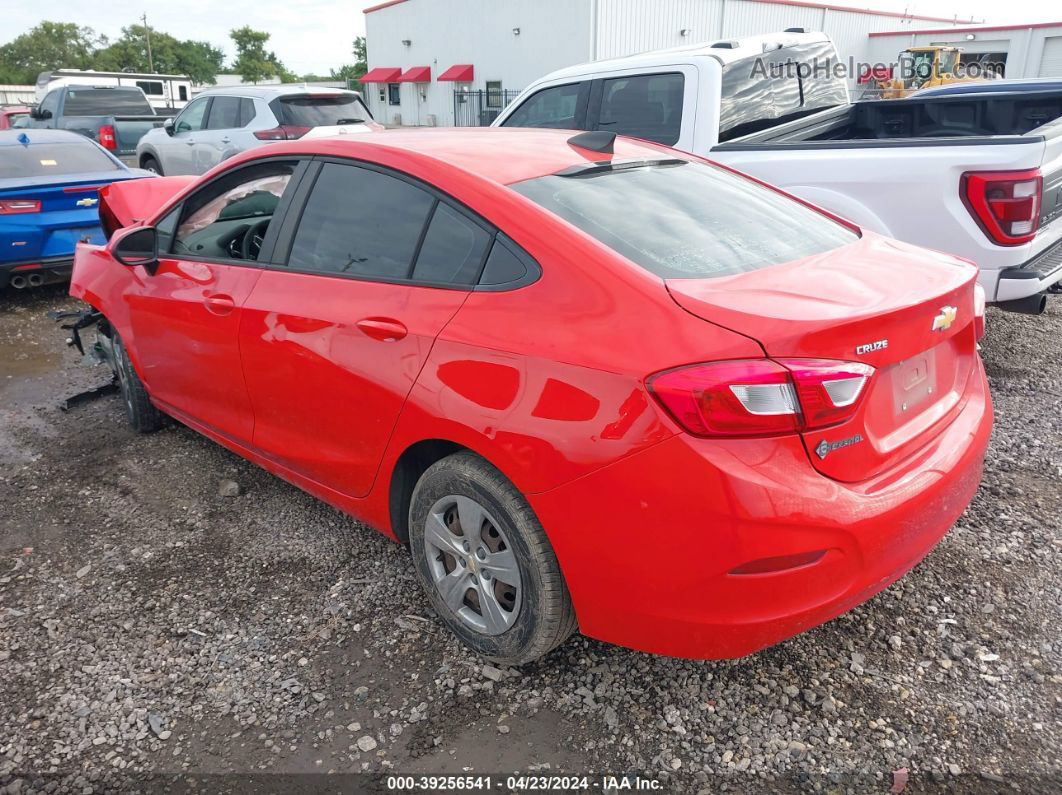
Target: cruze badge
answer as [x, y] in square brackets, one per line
[870, 347]
[943, 321]
[824, 448]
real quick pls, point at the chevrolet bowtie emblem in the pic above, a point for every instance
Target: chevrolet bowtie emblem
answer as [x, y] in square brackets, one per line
[86, 202]
[943, 321]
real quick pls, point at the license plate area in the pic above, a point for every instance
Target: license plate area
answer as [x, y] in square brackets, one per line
[914, 384]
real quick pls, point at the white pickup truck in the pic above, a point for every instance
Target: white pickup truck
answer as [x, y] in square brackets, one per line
[975, 175]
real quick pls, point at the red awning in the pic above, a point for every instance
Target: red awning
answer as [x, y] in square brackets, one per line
[416, 74]
[458, 73]
[382, 74]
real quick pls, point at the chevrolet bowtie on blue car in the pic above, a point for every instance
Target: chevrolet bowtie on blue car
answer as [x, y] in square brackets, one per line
[49, 199]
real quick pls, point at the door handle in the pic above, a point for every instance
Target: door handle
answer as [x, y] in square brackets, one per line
[189, 141]
[226, 140]
[382, 328]
[219, 304]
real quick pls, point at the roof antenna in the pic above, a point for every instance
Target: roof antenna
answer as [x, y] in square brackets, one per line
[596, 141]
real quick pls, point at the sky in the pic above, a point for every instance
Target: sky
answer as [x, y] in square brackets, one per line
[313, 36]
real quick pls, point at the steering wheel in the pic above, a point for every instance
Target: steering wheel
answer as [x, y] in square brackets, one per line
[251, 244]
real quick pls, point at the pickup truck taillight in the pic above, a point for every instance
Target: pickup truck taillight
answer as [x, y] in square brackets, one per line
[761, 397]
[1005, 204]
[108, 140]
[285, 132]
[19, 206]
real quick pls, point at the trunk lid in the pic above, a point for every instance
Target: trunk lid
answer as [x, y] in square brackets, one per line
[907, 312]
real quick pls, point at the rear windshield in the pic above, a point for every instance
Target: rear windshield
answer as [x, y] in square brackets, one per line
[321, 111]
[683, 220]
[106, 102]
[47, 160]
[778, 86]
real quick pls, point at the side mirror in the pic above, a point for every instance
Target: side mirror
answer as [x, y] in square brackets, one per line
[137, 246]
[41, 115]
[168, 126]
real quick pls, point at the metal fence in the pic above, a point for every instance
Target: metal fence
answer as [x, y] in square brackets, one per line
[479, 108]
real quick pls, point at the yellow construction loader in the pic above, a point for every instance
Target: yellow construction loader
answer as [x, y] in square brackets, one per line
[923, 67]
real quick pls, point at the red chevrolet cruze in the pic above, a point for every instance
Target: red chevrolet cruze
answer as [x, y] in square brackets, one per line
[595, 383]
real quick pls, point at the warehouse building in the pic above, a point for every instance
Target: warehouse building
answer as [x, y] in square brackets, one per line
[445, 62]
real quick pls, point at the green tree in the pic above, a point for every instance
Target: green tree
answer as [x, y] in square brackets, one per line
[197, 59]
[49, 46]
[353, 72]
[252, 62]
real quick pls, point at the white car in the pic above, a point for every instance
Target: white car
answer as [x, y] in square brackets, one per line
[221, 122]
[977, 175]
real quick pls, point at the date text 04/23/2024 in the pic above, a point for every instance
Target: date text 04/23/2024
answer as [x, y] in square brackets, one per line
[523, 783]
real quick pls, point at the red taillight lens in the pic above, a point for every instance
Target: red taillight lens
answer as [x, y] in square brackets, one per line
[285, 132]
[108, 140]
[1005, 204]
[761, 397]
[19, 206]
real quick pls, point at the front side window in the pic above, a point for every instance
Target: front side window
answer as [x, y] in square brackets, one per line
[229, 218]
[192, 117]
[643, 106]
[694, 221]
[360, 222]
[51, 102]
[224, 114]
[556, 107]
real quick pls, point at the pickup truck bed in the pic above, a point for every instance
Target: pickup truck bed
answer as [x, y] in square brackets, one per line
[897, 167]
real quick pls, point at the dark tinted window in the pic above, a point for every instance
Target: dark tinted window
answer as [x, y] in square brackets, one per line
[394, 93]
[153, 88]
[761, 91]
[360, 222]
[645, 106]
[324, 110]
[48, 160]
[503, 266]
[693, 220]
[106, 102]
[453, 248]
[555, 107]
[224, 114]
[247, 113]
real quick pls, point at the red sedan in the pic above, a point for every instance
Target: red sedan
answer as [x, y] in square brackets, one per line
[594, 383]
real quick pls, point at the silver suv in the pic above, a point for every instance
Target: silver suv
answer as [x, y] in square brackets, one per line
[221, 122]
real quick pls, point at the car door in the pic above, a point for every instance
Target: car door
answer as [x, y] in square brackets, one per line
[214, 141]
[178, 150]
[186, 314]
[333, 341]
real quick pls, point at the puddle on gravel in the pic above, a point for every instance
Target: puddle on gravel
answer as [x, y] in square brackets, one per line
[19, 360]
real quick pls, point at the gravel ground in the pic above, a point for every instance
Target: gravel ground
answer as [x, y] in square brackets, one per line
[167, 608]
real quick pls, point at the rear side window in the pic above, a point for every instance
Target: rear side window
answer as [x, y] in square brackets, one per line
[106, 102]
[224, 114]
[247, 113]
[453, 248]
[322, 110]
[643, 106]
[557, 107]
[50, 160]
[360, 222]
[690, 220]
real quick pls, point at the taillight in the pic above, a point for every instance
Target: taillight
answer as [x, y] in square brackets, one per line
[761, 397]
[285, 132]
[19, 206]
[979, 312]
[108, 140]
[1005, 204]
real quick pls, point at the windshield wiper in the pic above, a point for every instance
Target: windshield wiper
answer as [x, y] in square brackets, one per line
[350, 121]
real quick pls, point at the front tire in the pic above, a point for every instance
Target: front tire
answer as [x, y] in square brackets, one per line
[142, 415]
[485, 562]
[151, 164]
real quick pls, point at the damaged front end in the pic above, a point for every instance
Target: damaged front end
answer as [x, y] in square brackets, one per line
[101, 351]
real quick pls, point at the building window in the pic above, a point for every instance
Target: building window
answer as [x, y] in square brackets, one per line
[494, 94]
[394, 97]
[383, 93]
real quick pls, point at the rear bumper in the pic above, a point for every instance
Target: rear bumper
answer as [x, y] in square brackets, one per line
[647, 544]
[1032, 277]
[52, 270]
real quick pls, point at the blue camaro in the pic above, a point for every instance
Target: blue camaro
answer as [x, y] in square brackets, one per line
[49, 183]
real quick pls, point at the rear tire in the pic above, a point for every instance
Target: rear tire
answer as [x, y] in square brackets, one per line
[485, 562]
[142, 415]
[151, 164]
